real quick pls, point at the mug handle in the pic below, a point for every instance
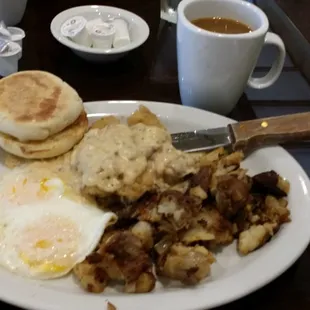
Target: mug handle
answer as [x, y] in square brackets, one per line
[277, 66]
[167, 13]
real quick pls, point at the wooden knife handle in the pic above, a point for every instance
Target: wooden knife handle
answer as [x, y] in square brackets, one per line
[273, 130]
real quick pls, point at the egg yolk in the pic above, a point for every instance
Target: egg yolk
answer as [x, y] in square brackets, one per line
[25, 191]
[44, 267]
[43, 187]
[49, 245]
[43, 244]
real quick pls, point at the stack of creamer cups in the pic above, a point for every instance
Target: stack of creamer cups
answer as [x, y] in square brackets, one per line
[11, 45]
[96, 33]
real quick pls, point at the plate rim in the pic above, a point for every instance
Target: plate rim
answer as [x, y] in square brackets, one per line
[39, 301]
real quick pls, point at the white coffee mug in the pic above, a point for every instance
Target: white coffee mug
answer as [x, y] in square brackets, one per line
[12, 11]
[215, 68]
[168, 10]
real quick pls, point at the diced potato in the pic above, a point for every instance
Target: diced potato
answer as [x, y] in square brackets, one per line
[145, 116]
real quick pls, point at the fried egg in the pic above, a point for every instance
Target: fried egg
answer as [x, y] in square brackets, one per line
[44, 231]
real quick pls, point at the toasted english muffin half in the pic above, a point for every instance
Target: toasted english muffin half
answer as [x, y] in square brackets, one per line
[36, 104]
[53, 146]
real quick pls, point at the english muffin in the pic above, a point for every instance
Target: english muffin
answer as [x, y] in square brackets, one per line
[53, 146]
[35, 105]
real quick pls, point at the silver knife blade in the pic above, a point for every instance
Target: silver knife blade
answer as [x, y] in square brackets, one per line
[201, 140]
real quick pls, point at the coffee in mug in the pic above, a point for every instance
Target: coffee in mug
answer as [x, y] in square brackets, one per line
[221, 25]
[215, 65]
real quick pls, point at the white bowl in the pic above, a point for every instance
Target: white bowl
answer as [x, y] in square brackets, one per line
[138, 30]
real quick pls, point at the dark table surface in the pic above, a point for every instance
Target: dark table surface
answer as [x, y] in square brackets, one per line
[149, 73]
[298, 12]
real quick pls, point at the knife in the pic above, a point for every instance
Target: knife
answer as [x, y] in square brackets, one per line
[247, 135]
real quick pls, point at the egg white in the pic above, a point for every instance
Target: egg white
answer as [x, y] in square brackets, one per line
[43, 232]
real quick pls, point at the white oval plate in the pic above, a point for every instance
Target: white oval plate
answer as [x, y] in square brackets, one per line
[232, 276]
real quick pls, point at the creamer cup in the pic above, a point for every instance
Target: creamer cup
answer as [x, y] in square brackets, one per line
[75, 29]
[91, 23]
[4, 32]
[102, 35]
[17, 35]
[4, 45]
[9, 59]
